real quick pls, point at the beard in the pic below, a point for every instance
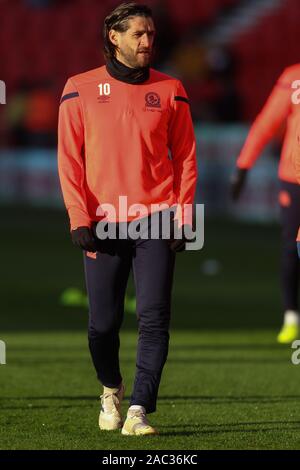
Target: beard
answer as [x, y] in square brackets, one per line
[136, 60]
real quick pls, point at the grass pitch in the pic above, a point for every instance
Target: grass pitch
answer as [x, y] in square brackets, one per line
[226, 385]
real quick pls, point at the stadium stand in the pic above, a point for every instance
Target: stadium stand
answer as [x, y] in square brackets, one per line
[58, 40]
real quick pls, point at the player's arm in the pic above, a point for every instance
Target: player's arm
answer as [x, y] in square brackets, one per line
[71, 166]
[296, 162]
[264, 128]
[296, 150]
[182, 144]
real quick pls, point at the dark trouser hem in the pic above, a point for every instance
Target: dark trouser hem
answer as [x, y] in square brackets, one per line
[110, 385]
[290, 220]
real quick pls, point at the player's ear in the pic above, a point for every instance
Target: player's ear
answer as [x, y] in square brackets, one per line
[113, 37]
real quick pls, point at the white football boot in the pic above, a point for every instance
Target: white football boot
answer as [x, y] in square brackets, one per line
[110, 417]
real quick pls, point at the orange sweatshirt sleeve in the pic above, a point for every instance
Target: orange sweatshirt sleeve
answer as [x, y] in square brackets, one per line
[296, 161]
[182, 144]
[267, 123]
[296, 151]
[70, 156]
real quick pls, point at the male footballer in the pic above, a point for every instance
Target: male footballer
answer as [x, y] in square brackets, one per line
[296, 153]
[279, 109]
[125, 130]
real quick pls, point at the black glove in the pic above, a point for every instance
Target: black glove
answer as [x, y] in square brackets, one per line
[237, 183]
[178, 244]
[84, 239]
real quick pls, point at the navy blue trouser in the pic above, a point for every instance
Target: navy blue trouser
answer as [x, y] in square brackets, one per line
[106, 276]
[290, 218]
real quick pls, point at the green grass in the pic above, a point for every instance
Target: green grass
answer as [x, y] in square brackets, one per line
[226, 385]
[219, 391]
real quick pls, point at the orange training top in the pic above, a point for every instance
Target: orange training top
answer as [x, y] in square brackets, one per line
[114, 140]
[296, 155]
[277, 110]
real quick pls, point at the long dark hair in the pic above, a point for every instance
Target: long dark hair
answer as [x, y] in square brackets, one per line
[118, 20]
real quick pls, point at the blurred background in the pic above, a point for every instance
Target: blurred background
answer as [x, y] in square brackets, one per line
[243, 391]
[229, 54]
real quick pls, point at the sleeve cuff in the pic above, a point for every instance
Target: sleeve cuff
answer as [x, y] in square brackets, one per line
[78, 218]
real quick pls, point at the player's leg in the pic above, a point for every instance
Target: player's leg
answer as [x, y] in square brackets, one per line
[153, 267]
[106, 280]
[290, 219]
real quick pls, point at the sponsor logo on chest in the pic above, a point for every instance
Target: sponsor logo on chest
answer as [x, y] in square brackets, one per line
[152, 99]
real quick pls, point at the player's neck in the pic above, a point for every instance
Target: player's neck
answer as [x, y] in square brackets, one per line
[126, 74]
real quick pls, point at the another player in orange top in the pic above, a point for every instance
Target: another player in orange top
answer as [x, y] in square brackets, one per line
[125, 131]
[279, 109]
[296, 151]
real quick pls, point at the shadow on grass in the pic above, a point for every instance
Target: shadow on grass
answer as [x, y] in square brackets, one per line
[180, 347]
[171, 360]
[163, 400]
[232, 427]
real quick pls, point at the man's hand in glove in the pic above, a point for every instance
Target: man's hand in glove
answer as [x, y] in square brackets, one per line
[237, 183]
[84, 239]
[178, 244]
